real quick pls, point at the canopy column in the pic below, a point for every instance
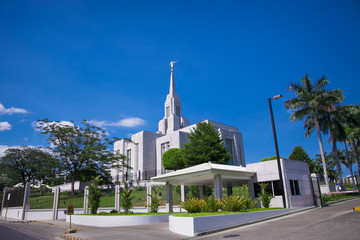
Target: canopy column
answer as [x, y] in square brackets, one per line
[218, 186]
[169, 197]
[183, 193]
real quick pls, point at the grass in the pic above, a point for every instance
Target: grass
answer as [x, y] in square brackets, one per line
[122, 214]
[205, 214]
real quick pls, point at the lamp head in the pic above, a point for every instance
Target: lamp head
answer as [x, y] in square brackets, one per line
[276, 97]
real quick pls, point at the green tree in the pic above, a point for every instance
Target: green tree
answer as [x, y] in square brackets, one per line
[82, 151]
[330, 165]
[205, 145]
[173, 159]
[264, 196]
[312, 97]
[95, 195]
[26, 164]
[299, 154]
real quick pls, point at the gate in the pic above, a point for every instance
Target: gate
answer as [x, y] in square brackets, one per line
[316, 190]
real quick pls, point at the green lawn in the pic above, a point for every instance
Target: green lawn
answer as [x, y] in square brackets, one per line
[204, 214]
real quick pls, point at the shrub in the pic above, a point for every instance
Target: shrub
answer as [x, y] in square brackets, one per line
[173, 159]
[114, 211]
[212, 204]
[126, 198]
[193, 205]
[249, 203]
[94, 195]
[264, 196]
[325, 198]
[233, 203]
[155, 201]
[102, 213]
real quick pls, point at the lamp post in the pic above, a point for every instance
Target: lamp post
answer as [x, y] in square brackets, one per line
[277, 149]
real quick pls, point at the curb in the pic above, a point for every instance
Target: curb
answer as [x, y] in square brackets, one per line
[71, 238]
[253, 222]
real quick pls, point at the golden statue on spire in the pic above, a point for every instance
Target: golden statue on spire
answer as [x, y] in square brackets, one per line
[172, 65]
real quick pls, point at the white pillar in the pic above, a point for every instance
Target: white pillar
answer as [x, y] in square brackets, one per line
[26, 200]
[148, 198]
[218, 186]
[183, 193]
[117, 198]
[201, 191]
[169, 197]
[86, 200]
[4, 199]
[56, 203]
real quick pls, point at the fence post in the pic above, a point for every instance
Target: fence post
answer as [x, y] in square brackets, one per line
[148, 198]
[56, 203]
[117, 198]
[183, 192]
[3, 203]
[86, 200]
[26, 200]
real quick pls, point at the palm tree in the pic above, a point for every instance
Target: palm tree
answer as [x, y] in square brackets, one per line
[348, 160]
[310, 99]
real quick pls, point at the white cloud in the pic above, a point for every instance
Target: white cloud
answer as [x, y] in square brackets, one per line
[126, 122]
[37, 125]
[5, 126]
[11, 110]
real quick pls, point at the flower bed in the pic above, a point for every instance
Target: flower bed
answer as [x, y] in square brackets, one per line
[116, 221]
[193, 226]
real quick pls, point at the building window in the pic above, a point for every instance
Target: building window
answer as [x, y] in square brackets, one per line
[164, 147]
[177, 108]
[273, 187]
[294, 185]
[167, 111]
[229, 148]
[128, 163]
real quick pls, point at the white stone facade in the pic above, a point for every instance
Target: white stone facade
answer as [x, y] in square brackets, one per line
[145, 149]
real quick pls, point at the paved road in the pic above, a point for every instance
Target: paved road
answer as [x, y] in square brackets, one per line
[337, 221]
[6, 232]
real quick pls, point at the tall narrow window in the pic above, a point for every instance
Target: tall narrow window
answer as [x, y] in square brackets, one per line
[177, 108]
[128, 162]
[294, 185]
[229, 148]
[167, 111]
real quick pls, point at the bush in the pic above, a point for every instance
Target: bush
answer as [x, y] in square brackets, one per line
[249, 203]
[102, 213]
[193, 205]
[264, 196]
[212, 204]
[126, 198]
[173, 159]
[325, 198]
[233, 203]
[155, 201]
[114, 211]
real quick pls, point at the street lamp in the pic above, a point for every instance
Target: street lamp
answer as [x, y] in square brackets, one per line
[277, 149]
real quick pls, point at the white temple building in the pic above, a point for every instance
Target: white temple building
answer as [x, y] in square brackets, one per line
[145, 149]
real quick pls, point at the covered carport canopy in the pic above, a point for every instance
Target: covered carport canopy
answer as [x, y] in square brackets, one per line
[218, 175]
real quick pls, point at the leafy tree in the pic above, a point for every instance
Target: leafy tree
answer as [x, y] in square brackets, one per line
[330, 164]
[205, 145]
[155, 201]
[347, 158]
[264, 196]
[82, 151]
[95, 195]
[27, 164]
[126, 198]
[299, 154]
[312, 97]
[173, 159]
[269, 158]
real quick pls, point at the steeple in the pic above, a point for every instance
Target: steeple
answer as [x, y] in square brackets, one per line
[173, 119]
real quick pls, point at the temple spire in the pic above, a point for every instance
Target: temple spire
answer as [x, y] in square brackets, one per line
[172, 91]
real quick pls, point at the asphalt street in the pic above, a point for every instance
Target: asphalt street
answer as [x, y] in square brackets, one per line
[336, 221]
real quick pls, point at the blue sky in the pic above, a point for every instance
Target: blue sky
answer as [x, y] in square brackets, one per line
[109, 61]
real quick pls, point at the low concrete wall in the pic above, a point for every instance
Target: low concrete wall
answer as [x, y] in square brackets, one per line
[192, 226]
[117, 221]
